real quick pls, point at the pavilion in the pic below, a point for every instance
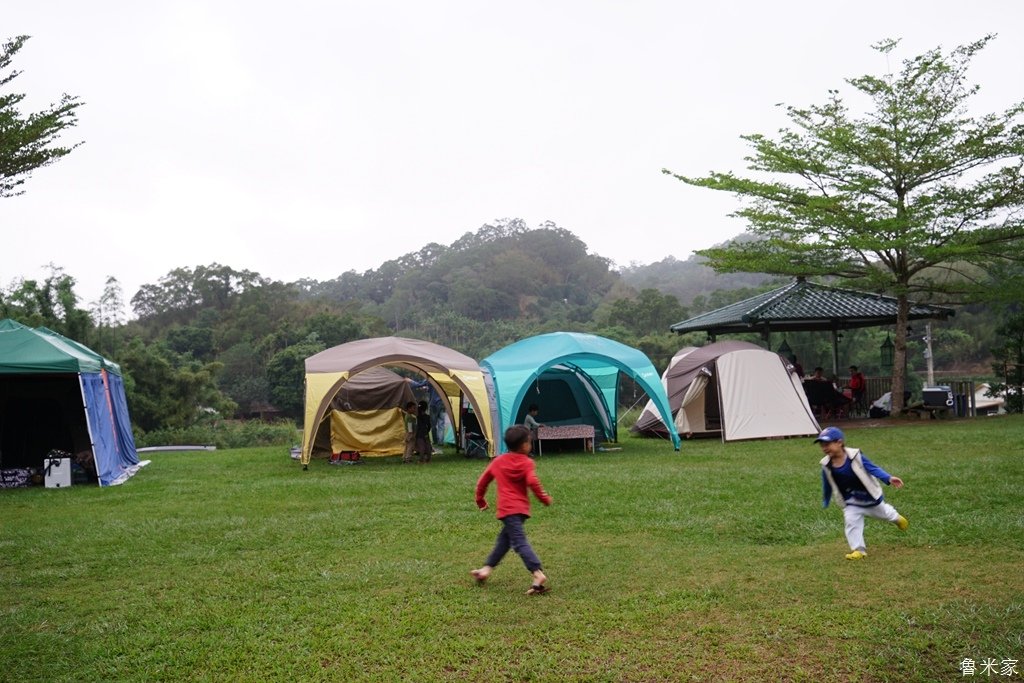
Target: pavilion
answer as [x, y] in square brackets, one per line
[803, 306]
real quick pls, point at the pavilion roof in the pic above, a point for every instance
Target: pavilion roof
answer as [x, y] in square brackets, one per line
[803, 306]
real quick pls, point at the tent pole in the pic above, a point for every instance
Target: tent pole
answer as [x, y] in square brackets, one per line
[89, 428]
[835, 353]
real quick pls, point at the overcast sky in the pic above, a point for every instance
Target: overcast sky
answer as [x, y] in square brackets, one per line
[305, 139]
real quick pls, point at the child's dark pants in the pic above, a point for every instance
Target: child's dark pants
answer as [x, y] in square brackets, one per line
[513, 536]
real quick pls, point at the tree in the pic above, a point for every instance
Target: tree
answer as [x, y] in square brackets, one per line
[286, 375]
[52, 303]
[1009, 363]
[906, 199]
[168, 391]
[649, 313]
[27, 142]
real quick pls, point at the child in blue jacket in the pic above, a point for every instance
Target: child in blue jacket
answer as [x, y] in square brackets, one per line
[856, 484]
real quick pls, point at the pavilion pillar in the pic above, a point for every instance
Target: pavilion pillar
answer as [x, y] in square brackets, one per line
[835, 353]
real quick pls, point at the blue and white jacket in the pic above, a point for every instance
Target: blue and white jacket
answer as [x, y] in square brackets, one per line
[870, 475]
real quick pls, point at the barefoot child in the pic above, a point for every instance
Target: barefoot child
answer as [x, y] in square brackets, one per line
[514, 472]
[847, 474]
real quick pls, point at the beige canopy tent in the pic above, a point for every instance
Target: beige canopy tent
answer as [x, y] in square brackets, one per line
[451, 373]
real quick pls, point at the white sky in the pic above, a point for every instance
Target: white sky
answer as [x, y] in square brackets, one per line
[305, 139]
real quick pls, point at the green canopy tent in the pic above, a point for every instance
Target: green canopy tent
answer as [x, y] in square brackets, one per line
[56, 394]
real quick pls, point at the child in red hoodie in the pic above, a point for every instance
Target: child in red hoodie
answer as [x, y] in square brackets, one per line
[514, 472]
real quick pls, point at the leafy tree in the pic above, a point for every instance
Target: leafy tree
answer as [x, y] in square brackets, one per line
[184, 290]
[27, 142]
[195, 342]
[331, 329]
[899, 200]
[286, 376]
[1009, 364]
[244, 376]
[650, 312]
[51, 303]
[167, 391]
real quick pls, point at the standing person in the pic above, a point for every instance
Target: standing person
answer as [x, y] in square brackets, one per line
[856, 483]
[423, 433]
[797, 368]
[514, 473]
[857, 386]
[409, 422]
[531, 423]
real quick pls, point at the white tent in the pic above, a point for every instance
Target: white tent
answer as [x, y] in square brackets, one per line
[732, 388]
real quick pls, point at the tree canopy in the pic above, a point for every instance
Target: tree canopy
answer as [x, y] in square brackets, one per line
[28, 141]
[909, 198]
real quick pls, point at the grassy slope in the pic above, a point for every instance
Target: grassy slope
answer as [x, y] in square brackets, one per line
[716, 563]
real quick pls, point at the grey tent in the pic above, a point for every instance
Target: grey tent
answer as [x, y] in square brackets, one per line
[732, 388]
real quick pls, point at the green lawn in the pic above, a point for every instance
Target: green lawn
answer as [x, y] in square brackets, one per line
[714, 563]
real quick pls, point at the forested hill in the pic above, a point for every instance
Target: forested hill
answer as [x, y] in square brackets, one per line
[232, 340]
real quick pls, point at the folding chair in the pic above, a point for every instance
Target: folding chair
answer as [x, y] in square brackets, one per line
[476, 445]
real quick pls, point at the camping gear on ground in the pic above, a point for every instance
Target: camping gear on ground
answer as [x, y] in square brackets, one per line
[57, 393]
[732, 388]
[15, 478]
[573, 378]
[57, 470]
[942, 396]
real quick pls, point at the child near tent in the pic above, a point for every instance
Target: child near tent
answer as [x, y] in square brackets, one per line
[855, 481]
[409, 421]
[423, 433]
[530, 421]
[514, 472]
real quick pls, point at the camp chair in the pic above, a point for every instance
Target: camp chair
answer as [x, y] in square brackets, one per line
[476, 445]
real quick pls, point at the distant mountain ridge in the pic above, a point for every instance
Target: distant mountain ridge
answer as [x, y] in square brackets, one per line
[689, 280]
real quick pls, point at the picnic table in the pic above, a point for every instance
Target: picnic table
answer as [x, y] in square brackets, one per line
[584, 432]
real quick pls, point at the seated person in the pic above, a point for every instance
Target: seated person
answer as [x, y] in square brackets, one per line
[818, 376]
[822, 395]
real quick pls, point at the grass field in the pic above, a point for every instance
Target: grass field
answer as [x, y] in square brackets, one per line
[716, 563]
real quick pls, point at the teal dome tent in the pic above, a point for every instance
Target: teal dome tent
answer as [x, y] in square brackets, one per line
[573, 377]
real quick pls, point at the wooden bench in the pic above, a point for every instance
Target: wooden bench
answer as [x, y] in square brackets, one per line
[920, 411]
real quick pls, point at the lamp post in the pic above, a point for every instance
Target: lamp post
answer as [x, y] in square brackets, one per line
[886, 354]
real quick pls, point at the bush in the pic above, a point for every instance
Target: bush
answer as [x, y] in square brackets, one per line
[224, 434]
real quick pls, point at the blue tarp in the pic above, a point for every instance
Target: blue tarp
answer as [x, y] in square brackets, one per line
[518, 367]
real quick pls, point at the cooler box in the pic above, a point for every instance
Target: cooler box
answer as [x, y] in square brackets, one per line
[57, 472]
[937, 397]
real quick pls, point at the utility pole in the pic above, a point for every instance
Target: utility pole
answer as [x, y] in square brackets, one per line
[928, 353]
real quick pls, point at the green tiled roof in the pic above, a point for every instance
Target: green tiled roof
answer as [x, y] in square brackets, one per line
[805, 306]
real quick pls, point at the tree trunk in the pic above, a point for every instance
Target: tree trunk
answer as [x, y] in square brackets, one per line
[899, 363]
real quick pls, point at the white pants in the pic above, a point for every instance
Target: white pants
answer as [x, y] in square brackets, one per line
[854, 516]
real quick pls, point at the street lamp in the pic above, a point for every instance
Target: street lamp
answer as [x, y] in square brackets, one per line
[886, 354]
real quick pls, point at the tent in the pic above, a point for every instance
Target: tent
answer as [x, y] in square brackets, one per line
[734, 388]
[573, 378]
[452, 374]
[58, 394]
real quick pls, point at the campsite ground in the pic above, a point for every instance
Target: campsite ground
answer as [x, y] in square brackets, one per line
[714, 563]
